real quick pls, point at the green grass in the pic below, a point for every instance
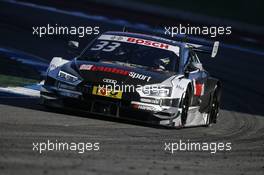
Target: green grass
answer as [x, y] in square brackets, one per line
[12, 81]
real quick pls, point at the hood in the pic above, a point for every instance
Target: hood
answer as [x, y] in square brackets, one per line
[102, 72]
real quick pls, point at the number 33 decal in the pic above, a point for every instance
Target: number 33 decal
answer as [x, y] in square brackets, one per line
[106, 46]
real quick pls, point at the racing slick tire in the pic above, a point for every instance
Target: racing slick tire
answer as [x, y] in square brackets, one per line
[185, 106]
[214, 108]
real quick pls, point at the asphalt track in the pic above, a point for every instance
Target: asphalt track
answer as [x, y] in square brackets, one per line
[127, 147]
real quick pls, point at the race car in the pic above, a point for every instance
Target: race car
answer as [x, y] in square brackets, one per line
[137, 77]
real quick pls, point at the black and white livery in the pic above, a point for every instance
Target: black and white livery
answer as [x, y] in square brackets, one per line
[139, 77]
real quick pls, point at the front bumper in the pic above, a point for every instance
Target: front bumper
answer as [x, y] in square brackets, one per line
[74, 100]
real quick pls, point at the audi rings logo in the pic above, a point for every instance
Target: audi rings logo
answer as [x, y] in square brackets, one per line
[106, 80]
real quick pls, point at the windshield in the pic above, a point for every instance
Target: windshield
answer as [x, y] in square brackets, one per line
[131, 54]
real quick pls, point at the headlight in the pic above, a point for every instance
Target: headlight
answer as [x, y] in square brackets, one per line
[156, 91]
[170, 102]
[64, 76]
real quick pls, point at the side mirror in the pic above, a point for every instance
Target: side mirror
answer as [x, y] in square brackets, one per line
[198, 66]
[186, 73]
[73, 44]
[73, 48]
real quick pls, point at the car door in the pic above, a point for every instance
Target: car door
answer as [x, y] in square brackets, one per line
[198, 76]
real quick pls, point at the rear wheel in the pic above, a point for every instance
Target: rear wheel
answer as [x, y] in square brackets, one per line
[214, 110]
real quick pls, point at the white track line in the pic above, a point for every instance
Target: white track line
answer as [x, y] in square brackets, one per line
[25, 91]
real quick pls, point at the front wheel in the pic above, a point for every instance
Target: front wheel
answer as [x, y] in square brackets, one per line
[185, 107]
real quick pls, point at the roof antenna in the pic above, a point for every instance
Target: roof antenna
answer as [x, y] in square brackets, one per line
[124, 29]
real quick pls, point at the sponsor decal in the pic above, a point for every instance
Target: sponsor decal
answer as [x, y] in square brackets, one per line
[117, 38]
[102, 91]
[86, 67]
[143, 107]
[94, 68]
[148, 43]
[139, 76]
[141, 41]
[179, 87]
[133, 75]
[147, 100]
[107, 80]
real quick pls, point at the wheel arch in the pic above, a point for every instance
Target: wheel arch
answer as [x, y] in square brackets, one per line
[214, 84]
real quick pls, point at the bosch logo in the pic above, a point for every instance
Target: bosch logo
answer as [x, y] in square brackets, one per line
[106, 80]
[148, 43]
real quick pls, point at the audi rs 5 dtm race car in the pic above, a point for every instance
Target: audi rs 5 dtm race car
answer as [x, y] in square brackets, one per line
[139, 77]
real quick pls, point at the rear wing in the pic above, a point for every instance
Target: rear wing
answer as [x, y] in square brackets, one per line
[211, 49]
[199, 44]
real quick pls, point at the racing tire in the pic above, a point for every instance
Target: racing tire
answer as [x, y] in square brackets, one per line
[214, 109]
[185, 106]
